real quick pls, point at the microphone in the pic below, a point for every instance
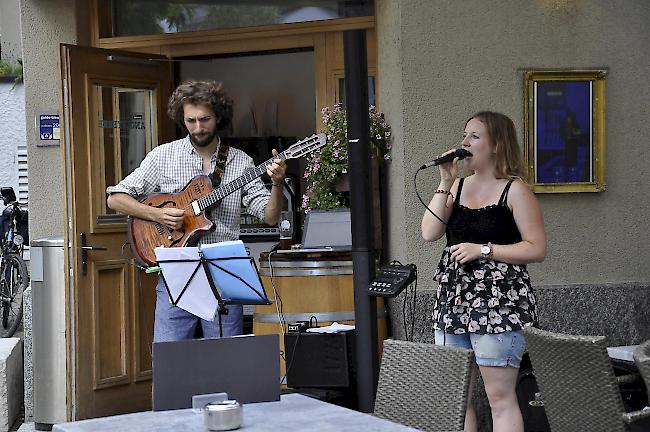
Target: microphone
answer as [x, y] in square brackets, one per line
[460, 153]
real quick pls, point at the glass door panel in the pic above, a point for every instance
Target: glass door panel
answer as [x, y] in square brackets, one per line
[125, 133]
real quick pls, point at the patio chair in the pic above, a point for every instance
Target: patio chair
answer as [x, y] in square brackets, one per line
[577, 383]
[642, 359]
[423, 385]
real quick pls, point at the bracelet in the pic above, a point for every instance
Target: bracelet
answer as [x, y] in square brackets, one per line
[276, 184]
[448, 193]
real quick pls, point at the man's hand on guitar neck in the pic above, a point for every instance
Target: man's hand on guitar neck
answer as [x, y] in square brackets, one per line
[126, 204]
[276, 171]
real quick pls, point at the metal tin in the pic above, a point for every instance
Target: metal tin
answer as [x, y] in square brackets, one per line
[223, 416]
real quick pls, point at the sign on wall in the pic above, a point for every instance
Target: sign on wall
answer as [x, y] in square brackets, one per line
[48, 130]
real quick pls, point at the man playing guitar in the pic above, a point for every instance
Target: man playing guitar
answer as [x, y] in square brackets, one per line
[202, 109]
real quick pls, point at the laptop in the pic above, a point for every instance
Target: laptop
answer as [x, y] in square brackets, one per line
[245, 367]
[326, 230]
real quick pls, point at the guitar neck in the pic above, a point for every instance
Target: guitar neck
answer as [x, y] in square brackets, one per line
[213, 198]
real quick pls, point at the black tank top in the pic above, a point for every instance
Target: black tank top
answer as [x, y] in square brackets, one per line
[494, 223]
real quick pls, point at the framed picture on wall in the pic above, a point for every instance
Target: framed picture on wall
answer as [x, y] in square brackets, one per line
[564, 130]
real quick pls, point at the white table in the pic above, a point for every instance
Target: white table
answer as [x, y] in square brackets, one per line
[294, 412]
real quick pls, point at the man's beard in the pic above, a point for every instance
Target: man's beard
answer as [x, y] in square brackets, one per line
[205, 141]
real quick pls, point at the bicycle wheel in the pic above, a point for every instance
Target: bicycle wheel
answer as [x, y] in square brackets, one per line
[14, 282]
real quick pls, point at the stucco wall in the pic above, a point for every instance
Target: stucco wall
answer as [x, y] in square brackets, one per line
[45, 24]
[10, 30]
[12, 132]
[441, 61]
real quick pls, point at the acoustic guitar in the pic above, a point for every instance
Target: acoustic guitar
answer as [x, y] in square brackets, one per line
[196, 198]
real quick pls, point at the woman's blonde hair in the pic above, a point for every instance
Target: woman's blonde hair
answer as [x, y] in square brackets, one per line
[501, 129]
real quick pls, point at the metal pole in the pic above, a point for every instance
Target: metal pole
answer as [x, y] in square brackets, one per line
[365, 306]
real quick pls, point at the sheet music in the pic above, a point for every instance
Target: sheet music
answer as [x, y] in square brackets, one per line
[333, 328]
[232, 270]
[198, 298]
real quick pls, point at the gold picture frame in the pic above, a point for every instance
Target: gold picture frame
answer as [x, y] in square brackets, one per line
[564, 130]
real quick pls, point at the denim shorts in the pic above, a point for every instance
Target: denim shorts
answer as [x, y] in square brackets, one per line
[500, 349]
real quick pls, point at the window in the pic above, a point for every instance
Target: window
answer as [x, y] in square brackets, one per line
[141, 17]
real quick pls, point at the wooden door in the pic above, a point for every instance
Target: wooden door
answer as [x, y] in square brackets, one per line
[114, 107]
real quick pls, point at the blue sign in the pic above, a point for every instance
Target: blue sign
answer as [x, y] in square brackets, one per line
[49, 129]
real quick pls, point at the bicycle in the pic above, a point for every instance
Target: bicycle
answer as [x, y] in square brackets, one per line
[14, 276]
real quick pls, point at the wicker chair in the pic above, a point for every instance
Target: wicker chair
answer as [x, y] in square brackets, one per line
[642, 360]
[577, 383]
[423, 385]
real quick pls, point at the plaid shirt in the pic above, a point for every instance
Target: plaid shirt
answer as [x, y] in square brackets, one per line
[169, 167]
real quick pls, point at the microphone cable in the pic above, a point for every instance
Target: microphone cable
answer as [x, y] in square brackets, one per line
[415, 185]
[413, 302]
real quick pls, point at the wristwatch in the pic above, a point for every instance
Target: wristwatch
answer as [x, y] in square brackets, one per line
[486, 250]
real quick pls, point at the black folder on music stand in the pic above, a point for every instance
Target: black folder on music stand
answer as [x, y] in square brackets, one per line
[245, 367]
[204, 279]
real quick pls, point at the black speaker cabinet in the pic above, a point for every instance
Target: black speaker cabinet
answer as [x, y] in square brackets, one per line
[319, 360]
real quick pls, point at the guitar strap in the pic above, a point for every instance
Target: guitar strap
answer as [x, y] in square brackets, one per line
[220, 167]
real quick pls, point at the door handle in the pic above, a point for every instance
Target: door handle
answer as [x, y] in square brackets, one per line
[84, 252]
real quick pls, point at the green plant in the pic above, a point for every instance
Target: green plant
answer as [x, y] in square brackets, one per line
[325, 167]
[14, 71]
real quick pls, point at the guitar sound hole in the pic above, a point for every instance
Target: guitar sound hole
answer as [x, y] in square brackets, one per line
[197, 188]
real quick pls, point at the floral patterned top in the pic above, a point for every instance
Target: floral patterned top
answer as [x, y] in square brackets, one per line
[483, 296]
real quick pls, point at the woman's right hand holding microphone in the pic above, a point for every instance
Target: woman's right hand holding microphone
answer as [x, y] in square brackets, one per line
[448, 171]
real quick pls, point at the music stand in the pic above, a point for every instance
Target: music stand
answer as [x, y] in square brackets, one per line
[230, 273]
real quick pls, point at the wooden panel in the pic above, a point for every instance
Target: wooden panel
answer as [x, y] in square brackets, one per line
[336, 63]
[153, 43]
[110, 324]
[320, 72]
[311, 294]
[144, 302]
[239, 46]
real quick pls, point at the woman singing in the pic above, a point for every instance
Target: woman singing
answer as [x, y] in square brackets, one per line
[494, 227]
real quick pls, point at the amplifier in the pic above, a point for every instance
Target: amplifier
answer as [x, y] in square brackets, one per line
[320, 360]
[251, 226]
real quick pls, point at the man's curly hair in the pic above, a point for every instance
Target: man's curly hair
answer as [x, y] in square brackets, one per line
[210, 93]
